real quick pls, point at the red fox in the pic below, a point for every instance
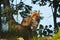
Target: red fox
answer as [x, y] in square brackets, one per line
[35, 19]
[28, 22]
[32, 20]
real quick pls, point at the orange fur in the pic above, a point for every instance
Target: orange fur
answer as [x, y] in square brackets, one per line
[27, 22]
[32, 20]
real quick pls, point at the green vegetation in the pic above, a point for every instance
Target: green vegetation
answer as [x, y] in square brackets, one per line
[56, 36]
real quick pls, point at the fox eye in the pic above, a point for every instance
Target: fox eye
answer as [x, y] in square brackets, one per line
[36, 16]
[25, 21]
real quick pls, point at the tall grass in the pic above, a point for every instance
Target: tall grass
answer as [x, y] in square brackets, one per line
[13, 36]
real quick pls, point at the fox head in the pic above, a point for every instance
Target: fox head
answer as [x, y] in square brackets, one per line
[35, 18]
[35, 15]
[32, 20]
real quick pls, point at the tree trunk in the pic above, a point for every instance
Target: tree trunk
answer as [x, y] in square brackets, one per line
[7, 7]
[55, 21]
[7, 11]
[54, 15]
[0, 18]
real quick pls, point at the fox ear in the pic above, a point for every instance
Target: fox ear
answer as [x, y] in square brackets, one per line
[38, 11]
[31, 13]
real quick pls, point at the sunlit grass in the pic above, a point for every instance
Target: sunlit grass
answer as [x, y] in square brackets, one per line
[38, 38]
[56, 36]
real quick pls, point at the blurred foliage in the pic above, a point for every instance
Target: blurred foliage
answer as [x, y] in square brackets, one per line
[51, 2]
[56, 36]
[25, 9]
